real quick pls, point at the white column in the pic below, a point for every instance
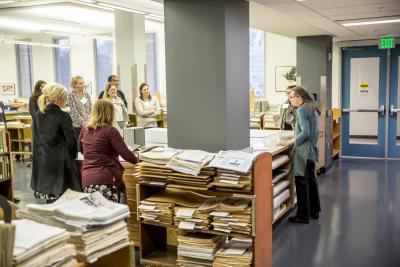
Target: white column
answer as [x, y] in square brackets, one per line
[130, 44]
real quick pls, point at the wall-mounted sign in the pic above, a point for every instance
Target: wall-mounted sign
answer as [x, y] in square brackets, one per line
[364, 87]
[386, 43]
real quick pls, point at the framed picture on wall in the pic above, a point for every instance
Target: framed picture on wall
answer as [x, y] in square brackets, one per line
[284, 76]
[7, 88]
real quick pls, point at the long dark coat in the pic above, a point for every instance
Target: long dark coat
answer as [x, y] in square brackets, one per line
[54, 152]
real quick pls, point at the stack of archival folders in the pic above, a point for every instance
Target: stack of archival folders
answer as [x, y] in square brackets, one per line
[175, 207]
[184, 169]
[38, 244]
[229, 214]
[202, 249]
[131, 179]
[192, 211]
[234, 171]
[97, 226]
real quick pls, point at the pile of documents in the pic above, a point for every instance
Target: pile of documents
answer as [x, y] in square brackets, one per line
[159, 155]
[233, 160]
[198, 249]
[131, 179]
[97, 225]
[227, 180]
[235, 253]
[230, 214]
[156, 174]
[234, 171]
[190, 161]
[38, 244]
[191, 219]
[160, 206]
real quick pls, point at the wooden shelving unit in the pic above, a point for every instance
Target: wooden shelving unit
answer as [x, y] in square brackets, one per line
[282, 183]
[336, 117]
[158, 242]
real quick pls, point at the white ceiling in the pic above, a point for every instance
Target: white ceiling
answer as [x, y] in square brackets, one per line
[25, 17]
[286, 17]
[327, 16]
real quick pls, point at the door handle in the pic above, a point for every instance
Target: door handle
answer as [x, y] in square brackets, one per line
[380, 110]
[393, 110]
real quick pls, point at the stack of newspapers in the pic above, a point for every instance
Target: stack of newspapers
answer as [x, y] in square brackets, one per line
[38, 244]
[198, 249]
[97, 225]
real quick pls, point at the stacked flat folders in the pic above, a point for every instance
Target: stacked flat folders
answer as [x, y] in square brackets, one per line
[159, 155]
[230, 214]
[235, 253]
[156, 174]
[234, 172]
[227, 180]
[160, 207]
[38, 244]
[97, 226]
[190, 161]
[198, 249]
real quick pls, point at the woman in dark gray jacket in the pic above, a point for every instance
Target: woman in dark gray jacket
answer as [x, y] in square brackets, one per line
[54, 146]
[305, 155]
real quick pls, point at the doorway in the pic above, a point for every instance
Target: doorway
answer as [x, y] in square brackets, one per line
[371, 100]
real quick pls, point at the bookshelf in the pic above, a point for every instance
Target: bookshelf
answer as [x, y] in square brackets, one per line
[6, 179]
[158, 241]
[336, 117]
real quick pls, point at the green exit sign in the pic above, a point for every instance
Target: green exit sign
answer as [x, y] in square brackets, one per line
[386, 43]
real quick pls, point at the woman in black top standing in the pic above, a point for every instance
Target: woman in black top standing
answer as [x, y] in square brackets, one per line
[33, 100]
[54, 146]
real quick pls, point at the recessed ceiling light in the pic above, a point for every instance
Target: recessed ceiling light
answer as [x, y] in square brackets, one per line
[122, 8]
[6, 2]
[370, 22]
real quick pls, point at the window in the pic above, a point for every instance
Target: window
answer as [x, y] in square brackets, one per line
[24, 65]
[257, 62]
[63, 62]
[152, 61]
[104, 51]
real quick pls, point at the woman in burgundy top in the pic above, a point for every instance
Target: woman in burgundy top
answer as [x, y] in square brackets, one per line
[101, 144]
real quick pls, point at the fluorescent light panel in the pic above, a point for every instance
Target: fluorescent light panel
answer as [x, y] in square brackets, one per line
[90, 36]
[370, 22]
[6, 2]
[87, 1]
[32, 43]
[122, 8]
[153, 16]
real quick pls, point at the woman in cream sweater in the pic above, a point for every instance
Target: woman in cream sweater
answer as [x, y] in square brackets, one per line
[147, 108]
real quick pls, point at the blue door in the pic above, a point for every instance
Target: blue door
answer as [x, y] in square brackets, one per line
[364, 75]
[394, 105]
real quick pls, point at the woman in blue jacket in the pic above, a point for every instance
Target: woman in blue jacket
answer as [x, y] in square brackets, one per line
[305, 155]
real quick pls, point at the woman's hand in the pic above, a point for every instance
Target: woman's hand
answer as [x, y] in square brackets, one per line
[287, 142]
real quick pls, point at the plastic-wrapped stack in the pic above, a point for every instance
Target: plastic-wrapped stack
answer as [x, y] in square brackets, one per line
[235, 253]
[97, 226]
[38, 244]
[198, 249]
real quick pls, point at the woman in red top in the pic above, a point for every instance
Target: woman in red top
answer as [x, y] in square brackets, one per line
[101, 144]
